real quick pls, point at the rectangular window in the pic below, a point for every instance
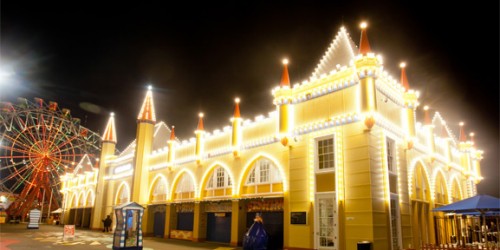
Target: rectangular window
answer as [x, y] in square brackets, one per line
[264, 172]
[220, 177]
[394, 223]
[391, 166]
[251, 177]
[326, 156]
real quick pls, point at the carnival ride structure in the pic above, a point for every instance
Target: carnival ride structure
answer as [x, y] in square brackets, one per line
[39, 142]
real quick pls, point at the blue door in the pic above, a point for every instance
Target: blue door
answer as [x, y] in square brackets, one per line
[219, 227]
[159, 224]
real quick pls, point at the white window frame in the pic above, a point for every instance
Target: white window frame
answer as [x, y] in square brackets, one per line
[316, 154]
[391, 155]
[273, 173]
[395, 197]
[213, 180]
[184, 184]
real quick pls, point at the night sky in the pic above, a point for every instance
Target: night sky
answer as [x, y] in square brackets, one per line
[95, 58]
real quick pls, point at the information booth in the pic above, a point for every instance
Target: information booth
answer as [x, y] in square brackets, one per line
[128, 231]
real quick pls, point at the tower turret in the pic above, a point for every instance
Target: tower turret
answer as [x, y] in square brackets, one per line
[236, 137]
[144, 142]
[284, 106]
[465, 148]
[448, 143]
[200, 134]
[367, 66]
[107, 150]
[429, 130]
[410, 98]
[171, 147]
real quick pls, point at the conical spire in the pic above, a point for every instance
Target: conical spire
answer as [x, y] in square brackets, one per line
[237, 108]
[463, 137]
[427, 117]
[110, 131]
[172, 133]
[364, 45]
[472, 137]
[285, 79]
[148, 109]
[404, 79]
[200, 122]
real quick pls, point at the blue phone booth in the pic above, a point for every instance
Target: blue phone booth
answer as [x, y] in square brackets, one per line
[128, 231]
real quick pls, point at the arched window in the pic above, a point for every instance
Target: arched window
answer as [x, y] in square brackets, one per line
[185, 188]
[219, 179]
[90, 199]
[264, 171]
[123, 195]
[159, 192]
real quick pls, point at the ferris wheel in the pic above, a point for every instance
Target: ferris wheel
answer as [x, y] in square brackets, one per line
[39, 142]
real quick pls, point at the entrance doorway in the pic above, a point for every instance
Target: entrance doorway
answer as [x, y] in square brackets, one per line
[326, 230]
[219, 227]
[273, 223]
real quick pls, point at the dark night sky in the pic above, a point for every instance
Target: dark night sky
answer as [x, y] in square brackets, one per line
[95, 58]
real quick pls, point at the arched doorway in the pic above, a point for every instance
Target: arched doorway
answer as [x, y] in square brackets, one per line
[441, 222]
[157, 208]
[420, 205]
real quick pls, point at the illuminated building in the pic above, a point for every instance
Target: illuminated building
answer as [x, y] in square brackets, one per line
[341, 160]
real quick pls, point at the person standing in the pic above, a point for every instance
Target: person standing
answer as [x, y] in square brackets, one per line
[107, 224]
[256, 238]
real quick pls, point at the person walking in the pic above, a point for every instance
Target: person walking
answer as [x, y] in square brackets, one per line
[107, 224]
[256, 238]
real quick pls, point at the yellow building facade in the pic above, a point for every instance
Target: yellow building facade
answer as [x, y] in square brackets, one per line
[341, 160]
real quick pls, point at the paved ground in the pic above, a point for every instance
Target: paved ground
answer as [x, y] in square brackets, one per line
[18, 237]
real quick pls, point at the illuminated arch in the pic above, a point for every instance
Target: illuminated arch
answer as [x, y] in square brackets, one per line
[123, 194]
[411, 172]
[250, 165]
[209, 173]
[155, 185]
[438, 194]
[176, 181]
[73, 202]
[455, 184]
[81, 199]
[89, 198]
[422, 177]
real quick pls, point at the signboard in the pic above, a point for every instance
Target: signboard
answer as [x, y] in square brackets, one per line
[34, 219]
[298, 217]
[69, 231]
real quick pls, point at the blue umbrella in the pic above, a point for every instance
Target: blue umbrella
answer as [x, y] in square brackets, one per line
[480, 203]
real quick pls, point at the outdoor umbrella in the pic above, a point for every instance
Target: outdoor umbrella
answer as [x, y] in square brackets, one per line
[480, 203]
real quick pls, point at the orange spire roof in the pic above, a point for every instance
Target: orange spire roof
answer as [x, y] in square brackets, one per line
[148, 109]
[285, 79]
[472, 137]
[364, 45]
[200, 122]
[404, 79]
[172, 133]
[463, 137]
[427, 118]
[237, 108]
[110, 131]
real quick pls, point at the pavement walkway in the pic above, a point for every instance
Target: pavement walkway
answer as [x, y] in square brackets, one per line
[18, 237]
